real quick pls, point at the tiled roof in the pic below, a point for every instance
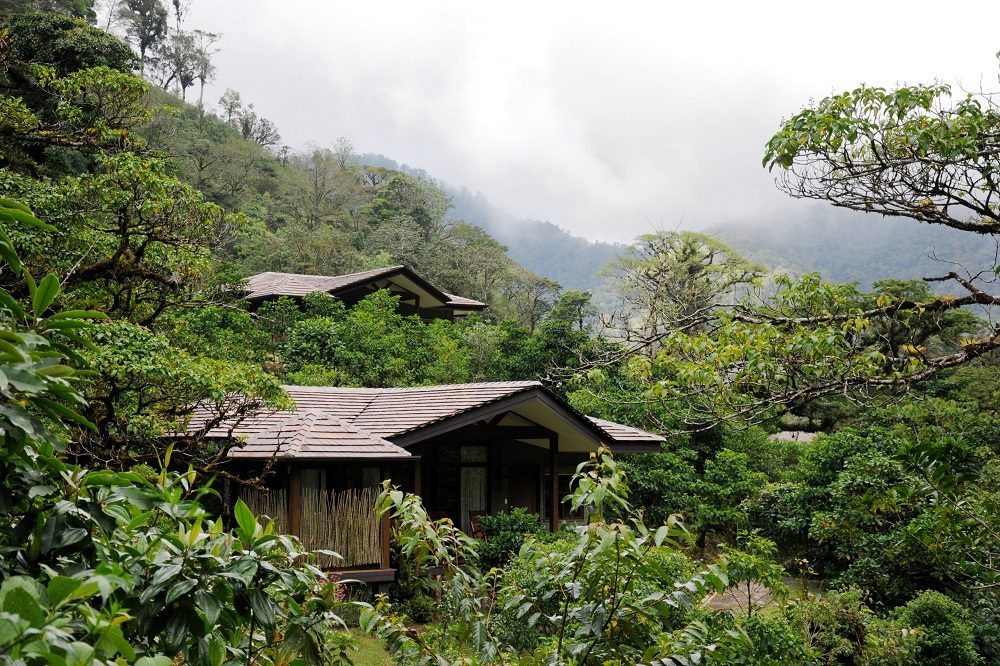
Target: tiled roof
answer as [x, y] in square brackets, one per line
[299, 284]
[350, 421]
[389, 412]
[311, 434]
[624, 433]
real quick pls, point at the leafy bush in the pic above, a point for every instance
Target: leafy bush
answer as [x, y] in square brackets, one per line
[946, 634]
[770, 640]
[984, 605]
[607, 595]
[505, 532]
[835, 627]
[418, 608]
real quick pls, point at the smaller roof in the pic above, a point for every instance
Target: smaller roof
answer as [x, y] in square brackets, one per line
[463, 302]
[793, 436]
[624, 433]
[271, 283]
[312, 434]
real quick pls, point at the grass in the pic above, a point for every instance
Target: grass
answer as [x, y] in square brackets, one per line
[372, 653]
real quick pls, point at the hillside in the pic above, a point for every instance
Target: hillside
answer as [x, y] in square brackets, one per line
[542, 247]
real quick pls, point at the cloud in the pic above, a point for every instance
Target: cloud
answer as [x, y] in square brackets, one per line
[605, 118]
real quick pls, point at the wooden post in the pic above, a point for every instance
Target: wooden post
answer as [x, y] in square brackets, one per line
[386, 539]
[553, 473]
[295, 501]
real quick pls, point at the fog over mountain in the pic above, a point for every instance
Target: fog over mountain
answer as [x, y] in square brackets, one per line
[842, 245]
[608, 119]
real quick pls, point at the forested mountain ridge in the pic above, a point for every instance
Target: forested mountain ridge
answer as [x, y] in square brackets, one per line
[847, 246]
[842, 245]
[325, 211]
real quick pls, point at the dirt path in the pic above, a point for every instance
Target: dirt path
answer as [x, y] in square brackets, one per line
[737, 598]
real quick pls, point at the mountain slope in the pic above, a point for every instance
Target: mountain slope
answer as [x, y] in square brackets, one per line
[845, 246]
[541, 247]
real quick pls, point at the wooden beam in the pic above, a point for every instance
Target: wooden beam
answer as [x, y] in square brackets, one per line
[553, 473]
[489, 432]
[417, 481]
[295, 501]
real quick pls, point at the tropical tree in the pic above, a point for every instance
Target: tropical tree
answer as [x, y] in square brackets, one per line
[145, 24]
[98, 566]
[674, 281]
[913, 152]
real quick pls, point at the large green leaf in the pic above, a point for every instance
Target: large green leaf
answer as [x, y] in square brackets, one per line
[25, 597]
[246, 520]
[16, 205]
[14, 215]
[158, 660]
[263, 609]
[209, 604]
[46, 292]
[78, 314]
[9, 254]
[180, 588]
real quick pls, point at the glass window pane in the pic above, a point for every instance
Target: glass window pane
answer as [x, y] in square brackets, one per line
[474, 454]
[473, 492]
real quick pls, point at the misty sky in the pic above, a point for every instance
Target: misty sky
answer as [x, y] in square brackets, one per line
[609, 119]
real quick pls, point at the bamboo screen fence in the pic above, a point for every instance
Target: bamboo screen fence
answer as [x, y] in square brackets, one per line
[273, 504]
[343, 522]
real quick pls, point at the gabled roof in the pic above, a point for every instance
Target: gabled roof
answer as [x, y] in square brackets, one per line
[311, 434]
[271, 284]
[341, 418]
[391, 412]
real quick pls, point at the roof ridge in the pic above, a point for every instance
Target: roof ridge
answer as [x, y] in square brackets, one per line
[364, 409]
[306, 422]
[384, 269]
[358, 429]
[387, 389]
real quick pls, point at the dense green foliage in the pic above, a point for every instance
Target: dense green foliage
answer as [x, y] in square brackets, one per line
[101, 565]
[156, 210]
[504, 534]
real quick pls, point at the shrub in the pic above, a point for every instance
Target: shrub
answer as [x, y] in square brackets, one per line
[771, 640]
[505, 533]
[419, 608]
[946, 637]
[608, 595]
[98, 566]
[836, 627]
[984, 605]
